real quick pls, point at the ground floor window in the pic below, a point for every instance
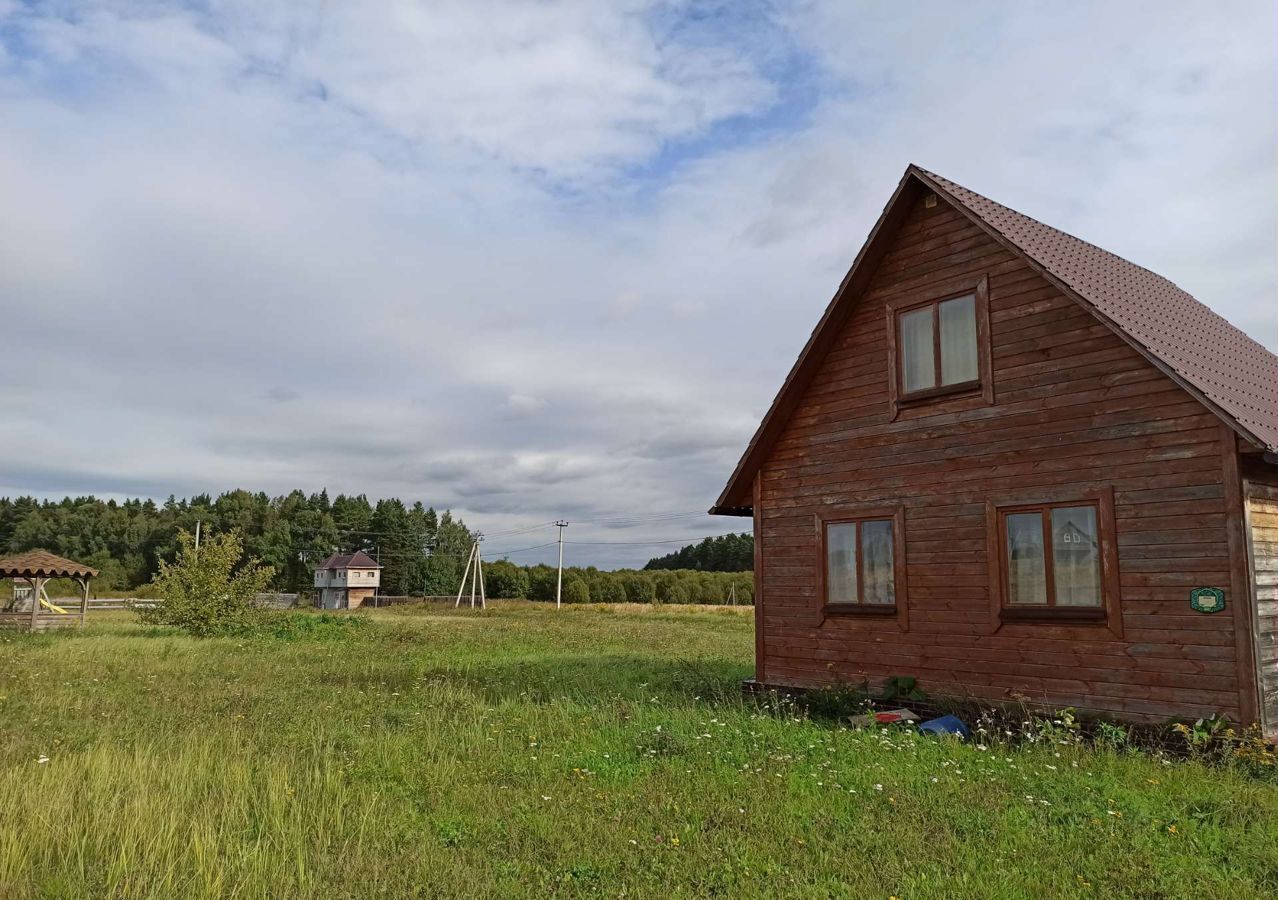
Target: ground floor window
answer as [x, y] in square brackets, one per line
[859, 562]
[1055, 559]
[862, 561]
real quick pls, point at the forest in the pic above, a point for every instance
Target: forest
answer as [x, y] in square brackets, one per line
[725, 553]
[422, 551]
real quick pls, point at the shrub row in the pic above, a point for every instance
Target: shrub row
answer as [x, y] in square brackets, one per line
[505, 580]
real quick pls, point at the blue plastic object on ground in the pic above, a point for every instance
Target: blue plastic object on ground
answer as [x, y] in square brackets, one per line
[946, 725]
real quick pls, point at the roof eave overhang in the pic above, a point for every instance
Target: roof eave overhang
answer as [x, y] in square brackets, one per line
[732, 510]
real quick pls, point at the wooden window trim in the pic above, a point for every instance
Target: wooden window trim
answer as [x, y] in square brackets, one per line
[962, 387]
[983, 385]
[868, 612]
[1108, 615]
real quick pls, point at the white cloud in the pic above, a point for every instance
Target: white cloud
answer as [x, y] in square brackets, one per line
[375, 248]
[525, 404]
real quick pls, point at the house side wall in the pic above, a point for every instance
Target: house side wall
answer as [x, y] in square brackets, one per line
[1261, 497]
[1074, 407]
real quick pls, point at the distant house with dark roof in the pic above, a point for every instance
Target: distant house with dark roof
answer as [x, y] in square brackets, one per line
[346, 580]
[1012, 464]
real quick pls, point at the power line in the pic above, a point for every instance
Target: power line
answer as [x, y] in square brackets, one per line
[522, 549]
[628, 521]
[516, 531]
[691, 540]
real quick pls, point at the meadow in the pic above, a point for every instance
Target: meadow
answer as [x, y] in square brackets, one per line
[597, 751]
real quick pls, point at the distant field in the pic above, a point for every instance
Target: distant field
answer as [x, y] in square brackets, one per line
[595, 751]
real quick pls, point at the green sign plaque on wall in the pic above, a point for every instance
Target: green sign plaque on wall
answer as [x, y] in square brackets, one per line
[1207, 600]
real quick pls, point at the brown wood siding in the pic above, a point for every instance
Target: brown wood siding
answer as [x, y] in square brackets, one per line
[1075, 409]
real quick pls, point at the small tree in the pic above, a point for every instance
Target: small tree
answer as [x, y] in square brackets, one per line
[576, 590]
[505, 580]
[541, 583]
[202, 592]
[639, 588]
[610, 590]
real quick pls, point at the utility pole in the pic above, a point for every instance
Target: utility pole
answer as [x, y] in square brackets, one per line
[559, 585]
[197, 537]
[475, 572]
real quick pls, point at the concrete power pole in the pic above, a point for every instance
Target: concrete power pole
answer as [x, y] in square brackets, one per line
[559, 585]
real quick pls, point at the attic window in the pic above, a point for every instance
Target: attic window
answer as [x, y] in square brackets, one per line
[940, 347]
[929, 201]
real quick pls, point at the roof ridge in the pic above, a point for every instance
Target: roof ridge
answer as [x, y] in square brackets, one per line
[1095, 247]
[1225, 368]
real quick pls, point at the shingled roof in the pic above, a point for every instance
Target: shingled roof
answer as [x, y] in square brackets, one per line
[357, 560]
[1227, 371]
[1232, 371]
[43, 564]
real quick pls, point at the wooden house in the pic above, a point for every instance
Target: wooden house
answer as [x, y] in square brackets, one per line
[346, 580]
[1013, 465]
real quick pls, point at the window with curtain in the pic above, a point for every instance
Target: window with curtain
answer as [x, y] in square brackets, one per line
[1052, 556]
[860, 563]
[937, 346]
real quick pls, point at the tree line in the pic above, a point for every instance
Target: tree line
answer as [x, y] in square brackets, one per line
[504, 579]
[725, 553]
[421, 551]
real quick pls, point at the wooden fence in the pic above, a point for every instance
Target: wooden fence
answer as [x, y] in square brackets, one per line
[98, 604]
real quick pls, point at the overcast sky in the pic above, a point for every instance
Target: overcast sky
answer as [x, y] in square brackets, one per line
[530, 260]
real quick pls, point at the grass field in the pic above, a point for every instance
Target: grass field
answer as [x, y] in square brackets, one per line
[597, 751]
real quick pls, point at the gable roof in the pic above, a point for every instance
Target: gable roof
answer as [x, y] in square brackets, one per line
[43, 564]
[1223, 368]
[357, 560]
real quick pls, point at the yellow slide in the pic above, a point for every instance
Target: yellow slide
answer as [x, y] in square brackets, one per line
[47, 605]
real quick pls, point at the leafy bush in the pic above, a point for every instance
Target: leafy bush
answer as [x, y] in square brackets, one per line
[1216, 740]
[610, 591]
[634, 586]
[576, 591]
[505, 580]
[203, 592]
[639, 588]
[902, 688]
[541, 583]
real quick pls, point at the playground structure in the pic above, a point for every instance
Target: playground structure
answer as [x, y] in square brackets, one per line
[34, 568]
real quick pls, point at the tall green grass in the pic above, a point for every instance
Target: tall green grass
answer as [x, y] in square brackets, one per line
[528, 752]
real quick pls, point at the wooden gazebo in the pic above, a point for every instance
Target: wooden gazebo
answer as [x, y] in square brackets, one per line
[35, 567]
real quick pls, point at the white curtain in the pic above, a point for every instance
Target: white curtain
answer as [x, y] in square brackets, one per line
[918, 371]
[840, 564]
[958, 340]
[876, 562]
[1026, 564]
[1076, 556]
